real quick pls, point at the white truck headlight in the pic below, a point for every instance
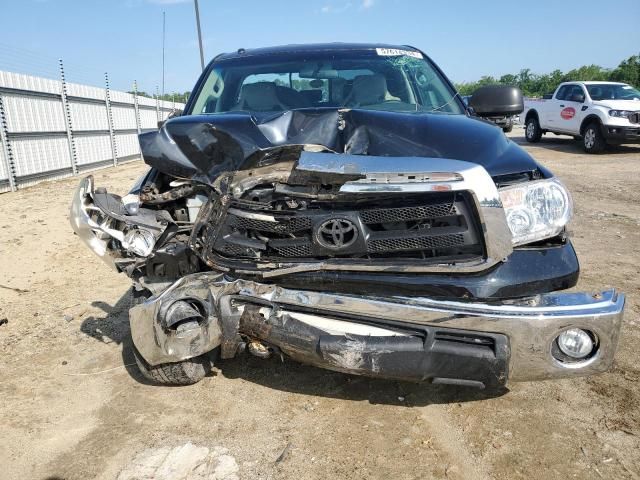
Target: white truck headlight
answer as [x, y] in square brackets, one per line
[620, 113]
[536, 210]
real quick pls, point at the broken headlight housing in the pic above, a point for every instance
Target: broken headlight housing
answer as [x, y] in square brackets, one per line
[98, 225]
[139, 241]
[536, 210]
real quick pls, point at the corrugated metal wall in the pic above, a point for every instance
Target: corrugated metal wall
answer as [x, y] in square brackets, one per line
[53, 129]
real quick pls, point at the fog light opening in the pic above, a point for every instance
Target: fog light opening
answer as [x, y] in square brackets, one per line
[184, 315]
[574, 345]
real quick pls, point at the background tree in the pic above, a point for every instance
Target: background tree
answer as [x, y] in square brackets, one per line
[534, 85]
[169, 97]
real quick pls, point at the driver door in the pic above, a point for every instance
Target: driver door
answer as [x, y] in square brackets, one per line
[569, 112]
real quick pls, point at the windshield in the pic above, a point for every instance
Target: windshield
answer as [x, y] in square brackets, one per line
[612, 91]
[380, 79]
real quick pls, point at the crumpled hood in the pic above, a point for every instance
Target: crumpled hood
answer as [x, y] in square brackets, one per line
[201, 147]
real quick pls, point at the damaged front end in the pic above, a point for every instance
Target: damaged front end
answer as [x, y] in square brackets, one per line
[342, 239]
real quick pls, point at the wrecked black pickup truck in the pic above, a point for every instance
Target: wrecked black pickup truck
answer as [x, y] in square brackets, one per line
[339, 205]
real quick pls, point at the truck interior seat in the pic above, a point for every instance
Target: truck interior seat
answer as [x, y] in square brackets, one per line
[597, 93]
[312, 97]
[369, 90]
[291, 97]
[260, 97]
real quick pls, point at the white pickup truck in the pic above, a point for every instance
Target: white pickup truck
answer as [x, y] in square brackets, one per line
[596, 113]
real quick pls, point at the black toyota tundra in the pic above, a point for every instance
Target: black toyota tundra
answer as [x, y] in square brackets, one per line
[339, 204]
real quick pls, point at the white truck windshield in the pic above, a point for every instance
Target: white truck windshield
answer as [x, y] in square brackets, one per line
[612, 91]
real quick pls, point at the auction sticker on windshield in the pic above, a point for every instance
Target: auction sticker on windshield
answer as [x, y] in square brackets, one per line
[394, 52]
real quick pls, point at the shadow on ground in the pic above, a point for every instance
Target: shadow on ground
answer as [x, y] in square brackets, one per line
[113, 327]
[566, 144]
[286, 375]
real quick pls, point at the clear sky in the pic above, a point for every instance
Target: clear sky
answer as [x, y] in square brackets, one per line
[467, 39]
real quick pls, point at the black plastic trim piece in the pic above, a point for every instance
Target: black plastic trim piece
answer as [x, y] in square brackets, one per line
[527, 271]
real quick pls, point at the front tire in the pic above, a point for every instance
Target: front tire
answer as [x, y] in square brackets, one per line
[186, 372]
[592, 140]
[533, 132]
[508, 128]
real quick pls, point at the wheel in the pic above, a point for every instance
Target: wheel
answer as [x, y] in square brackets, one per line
[186, 372]
[592, 139]
[508, 128]
[533, 132]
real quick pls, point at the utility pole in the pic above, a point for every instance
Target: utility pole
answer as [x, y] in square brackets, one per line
[163, 31]
[199, 34]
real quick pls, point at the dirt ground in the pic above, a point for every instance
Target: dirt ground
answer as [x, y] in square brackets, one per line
[72, 405]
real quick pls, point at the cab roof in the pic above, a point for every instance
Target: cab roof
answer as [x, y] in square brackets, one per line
[311, 47]
[595, 82]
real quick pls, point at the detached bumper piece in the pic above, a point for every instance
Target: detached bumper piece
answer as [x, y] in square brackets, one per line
[417, 339]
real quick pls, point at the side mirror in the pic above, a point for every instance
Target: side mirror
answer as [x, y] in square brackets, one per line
[175, 113]
[496, 101]
[578, 97]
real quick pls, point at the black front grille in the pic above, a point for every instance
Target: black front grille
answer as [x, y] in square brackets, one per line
[385, 215]
[415, 243]
[286, 225]
[302, 250]
[422, 226]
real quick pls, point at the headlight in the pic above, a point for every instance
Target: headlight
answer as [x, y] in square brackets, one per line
[139, 242]
[536, 210]
[620, 113]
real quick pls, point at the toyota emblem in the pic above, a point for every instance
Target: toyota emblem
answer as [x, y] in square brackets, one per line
[337, 233]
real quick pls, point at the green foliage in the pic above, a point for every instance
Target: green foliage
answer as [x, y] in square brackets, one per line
[169, 97]
[534, 85]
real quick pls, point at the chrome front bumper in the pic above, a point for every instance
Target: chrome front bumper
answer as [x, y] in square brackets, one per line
[530, 325]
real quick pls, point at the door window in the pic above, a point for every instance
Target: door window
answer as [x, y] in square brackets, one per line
[574, 90]
[562, 93]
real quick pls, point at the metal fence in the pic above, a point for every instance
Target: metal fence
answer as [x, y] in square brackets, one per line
[54, 128]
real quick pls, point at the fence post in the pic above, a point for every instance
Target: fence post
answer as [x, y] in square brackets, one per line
[68, 121]
[135, 105]
[4, 139]
[107, 101]
[157, 105]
